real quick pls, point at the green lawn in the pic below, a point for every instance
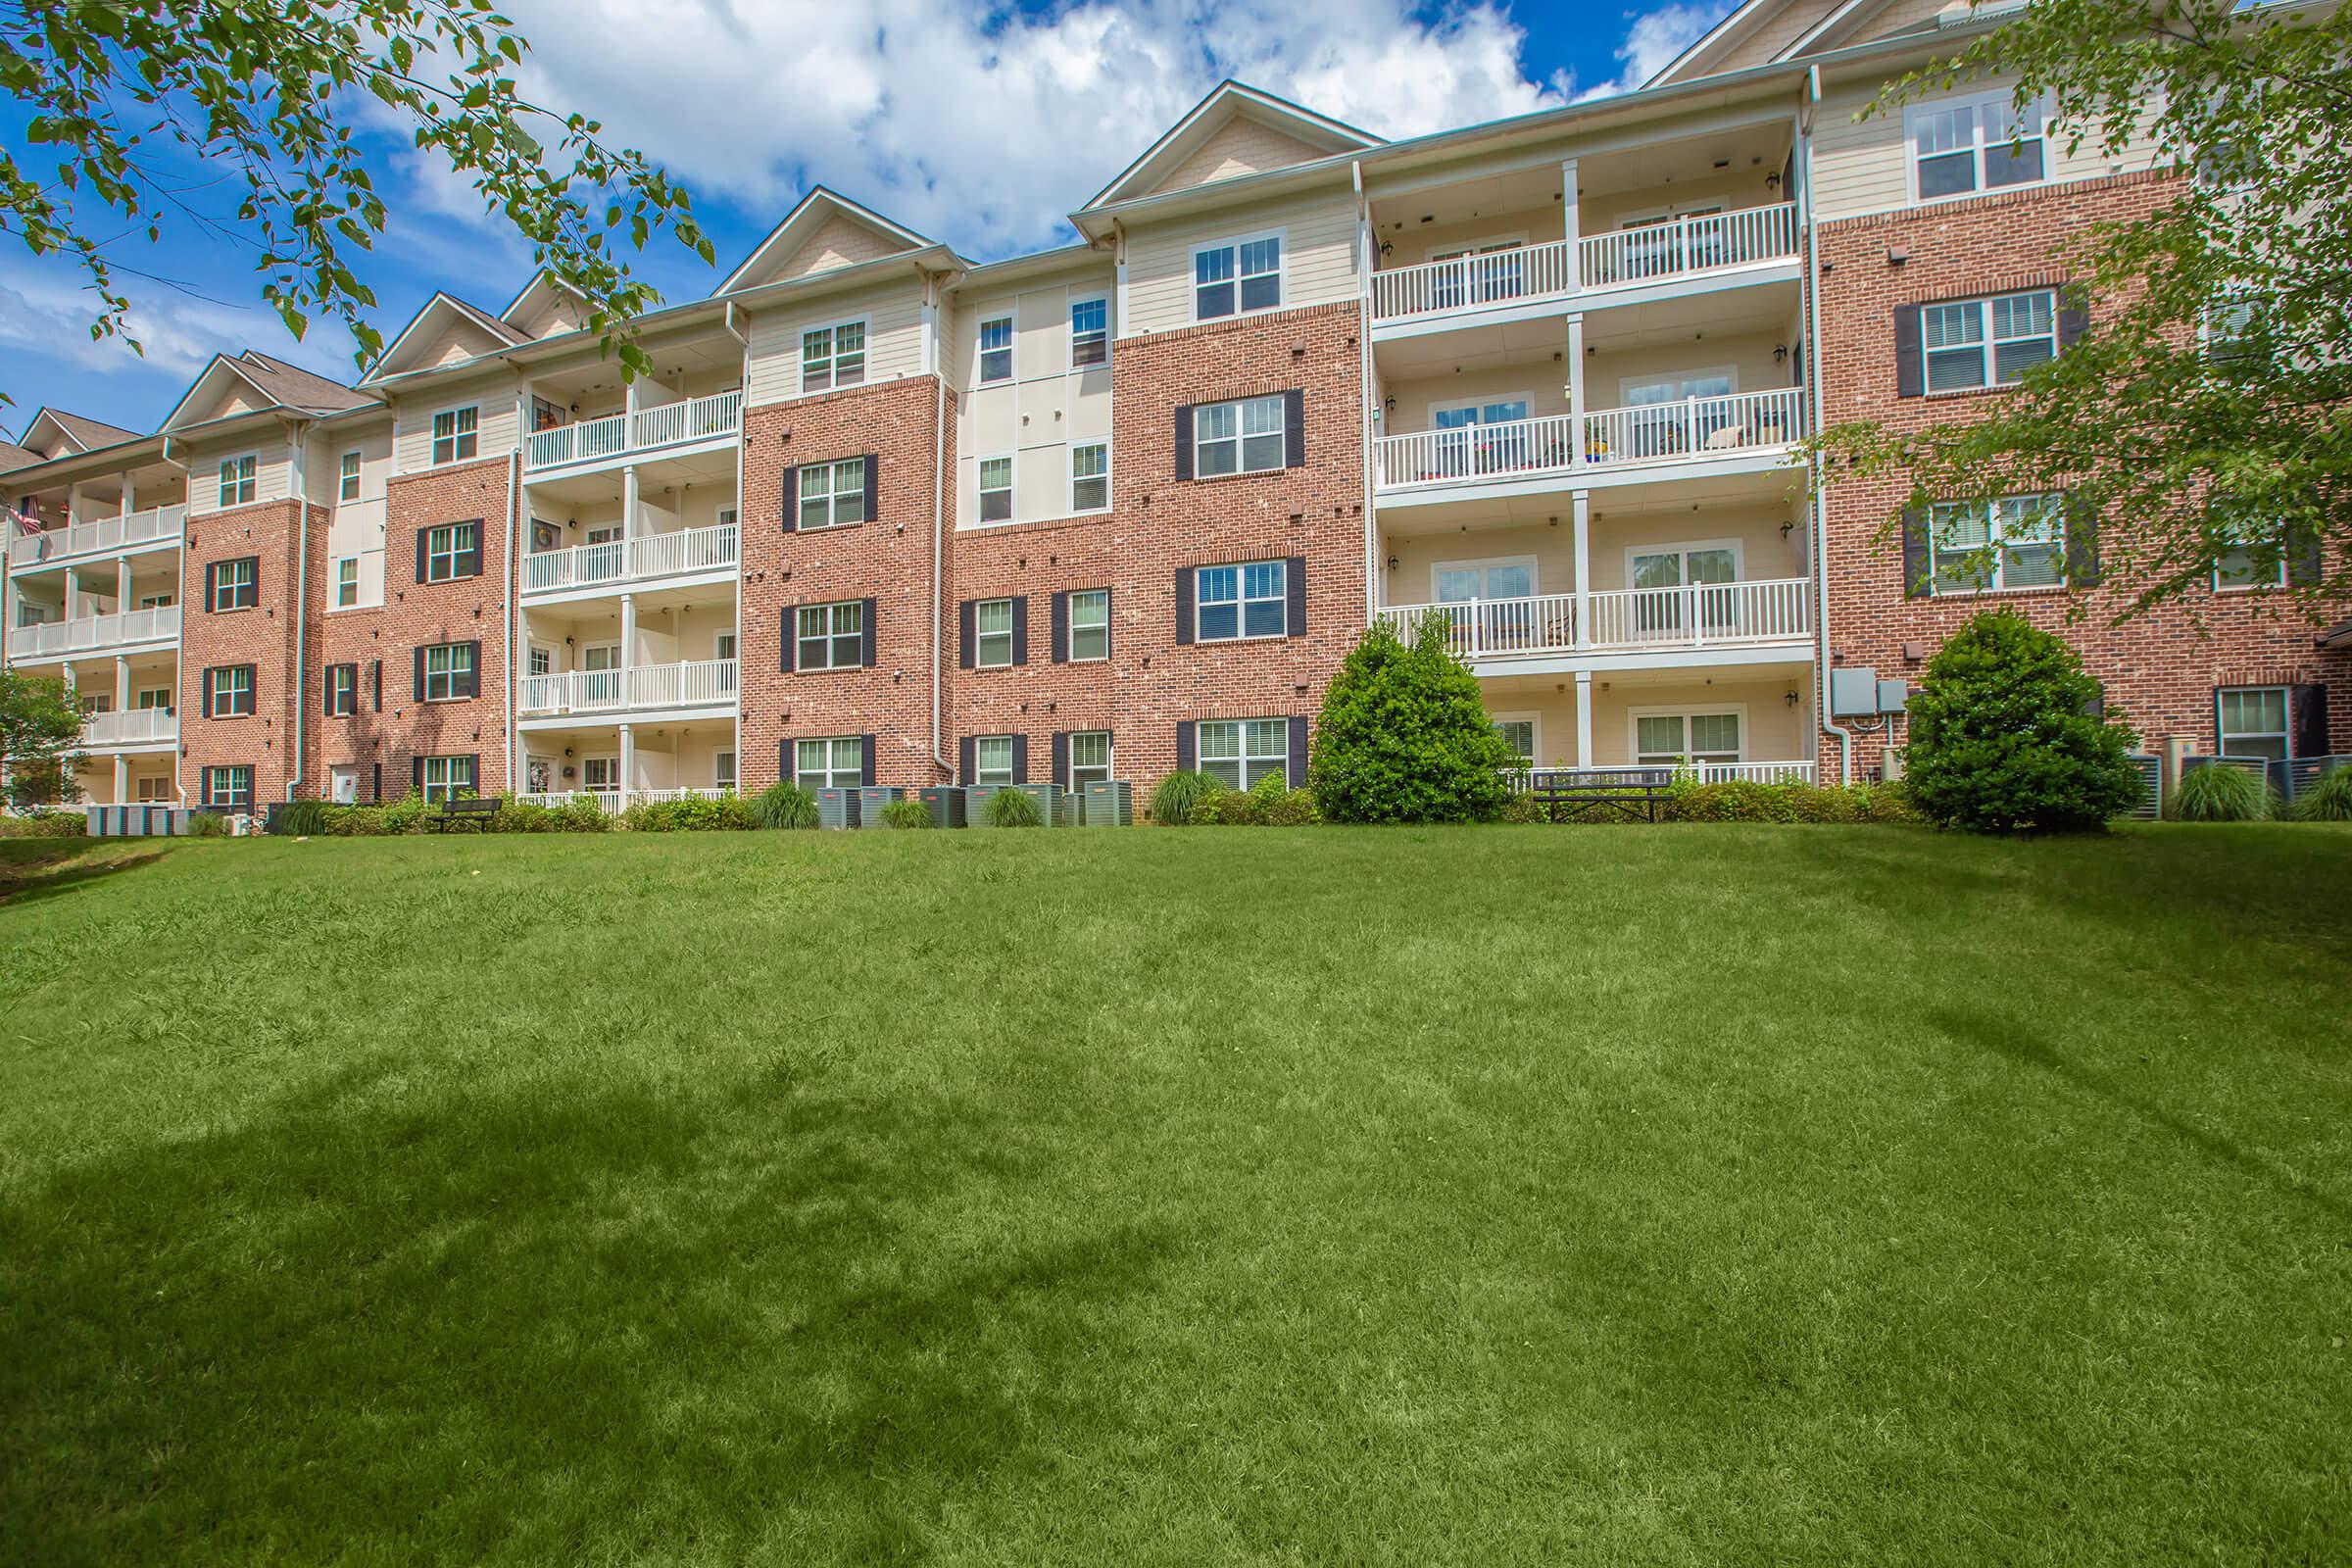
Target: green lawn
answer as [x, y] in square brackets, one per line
[1690, 1194]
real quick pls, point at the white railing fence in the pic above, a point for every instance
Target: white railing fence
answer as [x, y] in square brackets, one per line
[1473, 452]
[1756, 772]
[131, 726]
[83, 632]
[654, 555]
[611, 802]
[1686, 245]
[96, 534]
[1695, 426]
[1768, 610]
[1465, 282]
[1485, 627]
[664, 424]
[704, 681]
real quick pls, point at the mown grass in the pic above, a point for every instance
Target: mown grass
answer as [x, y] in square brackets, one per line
[1668, 1195]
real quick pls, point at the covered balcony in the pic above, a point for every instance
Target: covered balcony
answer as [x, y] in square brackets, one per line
[657, 652]
[670, 523]
[1755, 722]
[640, 688]
[1695, 616]
[622, 764]
[128, 728]
[105, 631]
[152, 528]
[587, 416]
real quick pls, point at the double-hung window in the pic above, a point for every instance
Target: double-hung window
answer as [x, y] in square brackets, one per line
[1249, 599]
[237, 477]
[1662, 740]
[831, 636]
[996, 349]
[2253, 722]
[1089, 333]
[445, 778]
[448, 671]
[1988, 342]
[1090, 758]
[229, 787]
[1976, 144]
[1090, 625]
[995, 489]
[1518, 732]
[831, 762]
[2007, 543]
[832, 493]
[2251, 562]
[347, 582]
[456, 435]
[992, 759]
[348, 483]
[1240, 438]
[342, 689]
[833, 357]
[447, 550]
[992, 633]
[1237, 276]
[230, 692]
[1239, 751]
[1090, 477]
[236, 584]
[722, 771]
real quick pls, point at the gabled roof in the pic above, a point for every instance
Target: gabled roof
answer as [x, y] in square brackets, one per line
[442, 308]
[1770, 31]
[272, 384]
[13, 456]
[821, 212]
[1746, 23]
[1313, 135]
[544, 288]
[77, 434]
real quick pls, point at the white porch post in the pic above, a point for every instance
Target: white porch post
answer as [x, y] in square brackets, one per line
[130, 492]
[121, 778]
[1581, 507]
[73, 590]
[628, 511]
[1569, 223]
[122, 583]
[122, 683]
[1583, 718]
[628, 641]
[1576, 456]
[628, 763]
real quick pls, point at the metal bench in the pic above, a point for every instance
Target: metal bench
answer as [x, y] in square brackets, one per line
[1633, 790]
[476, 809]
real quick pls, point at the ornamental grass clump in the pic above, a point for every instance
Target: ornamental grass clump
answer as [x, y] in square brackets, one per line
[1174, 800]
[1011, 808]
[2327, 801]
[2218, 793]
[783, 804]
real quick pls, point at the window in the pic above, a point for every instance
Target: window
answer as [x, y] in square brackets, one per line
[991, 626]
[600, 772]
[347, 582]
[722, 771]
[1980, 145]
[231, 787]
[448, 671]
[992, 759]
[237, 475]
[831, 636]
[835, 762]
[996, 349]
[1518, 731]
[2253, 561]
[832, 493]
[235, 585]
[152, 696]
[2014, 542]
[2253, 722]
[1090, 477]
[1089, 333]
[450, 552]
[457, 434]
[833, 357]
[1244, 601]
[1090, 625]
[541, 661]
[1239, 751]
[348, 487]
[2236, 330]
[995, 489]
[342, 689]
[1090, 758]
[1663, 740]
[1237, 276]
[156, 601]
[722, 645]
[445, 778]
[1990, 342]
[228, 691]
[1244, 437]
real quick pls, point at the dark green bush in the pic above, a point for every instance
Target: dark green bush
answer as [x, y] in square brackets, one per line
[1010, 808]
[45, 825]
[1405, 736]
[1521, 808]
[906, 813]
[208, 825]
[302, 820]
[1290, 808]
[783, 804]
[2005, 736]
[1224, 807]
[2217, 793]
[1173, 801]
[2327, 801]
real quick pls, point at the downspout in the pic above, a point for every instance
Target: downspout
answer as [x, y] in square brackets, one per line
[1366, 395]
[741, 335]
[297, 440]
[179, 592]
[1821, 499]
[939, 512]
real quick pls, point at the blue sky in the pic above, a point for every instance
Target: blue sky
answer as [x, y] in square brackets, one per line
[979, 125]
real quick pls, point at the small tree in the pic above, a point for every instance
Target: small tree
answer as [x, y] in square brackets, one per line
[2006, 736]
[39, 725]
[1404, 737]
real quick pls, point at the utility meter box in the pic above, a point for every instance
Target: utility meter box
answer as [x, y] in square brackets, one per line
[1854, 693]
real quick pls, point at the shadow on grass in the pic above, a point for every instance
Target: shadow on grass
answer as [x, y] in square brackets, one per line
[548, 1326]
[33, 869]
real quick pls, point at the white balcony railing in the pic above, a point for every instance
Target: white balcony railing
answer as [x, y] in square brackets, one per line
[98, 535]
[651, 554]
[131, 726]
[1684, 247]
[1695, 616]
[618, 434]
[1696, 428]
[1791, 772]
[54, 639]
[1515, 449]
[704, 682]
[1468, 282]
[612, 801]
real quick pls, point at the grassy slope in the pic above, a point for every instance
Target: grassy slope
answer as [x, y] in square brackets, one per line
[1676, 1194]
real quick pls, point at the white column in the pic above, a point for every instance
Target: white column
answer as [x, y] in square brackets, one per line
[122, 684]
[1568, 221]
[628, 510]
[122, 583]
[628, 763]
[629, 644]
[73, 590]
[121, 778]
[1576, 456]
[131, 496]
[1583, 718]
[1582, 505]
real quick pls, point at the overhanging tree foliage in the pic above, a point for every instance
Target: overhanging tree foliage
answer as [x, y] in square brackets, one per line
[40, 724]
[2206, 414]
[146, 108]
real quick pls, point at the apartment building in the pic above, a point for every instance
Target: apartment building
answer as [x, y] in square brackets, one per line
[883, 514]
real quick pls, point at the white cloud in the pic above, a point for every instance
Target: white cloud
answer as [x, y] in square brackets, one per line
[1655, 40]
[44, 311]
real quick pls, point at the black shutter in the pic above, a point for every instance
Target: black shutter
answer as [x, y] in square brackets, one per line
[474, 671]
[966, 636]
[376, 788]
[473, 771]
[967, 759]
[2082, 545]
[1910, 365]
[1062, 628]
[792, 503]
[1187, 755]
[1298, 758]
[1184, 605]
[378, 674]
[1293, 582]
[420, 542]
[471, 564]
[1020, 759]
[1106, 634]
[2304, 568]
[865, 763]
[2307, 719]
[873, 488]
[1915, 551]
[416, 775]
[211, 586]
[1184, 442]
[207, 710]
[1294, 430]
[867, 621]
[2074, 316]
[326, 691]
[784, 654]
[419, 693]
[1021, 629]
[1061, 758]
[784, 760]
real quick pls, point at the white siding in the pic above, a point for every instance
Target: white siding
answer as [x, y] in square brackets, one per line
[1241, 146]
[894, 338]
[273, 471]
[496, 427]
[1318, 257]
[1045, 406]
[355, 529]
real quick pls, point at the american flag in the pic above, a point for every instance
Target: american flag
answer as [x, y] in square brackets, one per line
[21, 523]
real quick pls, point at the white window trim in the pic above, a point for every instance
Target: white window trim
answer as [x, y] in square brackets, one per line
[1243, 756]
[555, 662]
[1682, 548]
[613, 757]
[2000, 565]
[589, 648]
[733, 773]
[1457, 405]
[1240, 438]
[1686, 712]
[831, 634]
[1012, 488]
[1234, 243]
[1974, 103]
[981, 634]
[351, 482]
[800, 364]
[1535, 579]
[239, 459]
[1070, 466]
[448, 674]
[1070, 332]
[1491, 245]
[1013, 355]
[1535, 721]
[2278, 578]
[833, 494]
[2286, 715]
[725, 643]
[1110, 753]
[1011, 758]
[1241, 603]
[1627, 383]
[1985, 344]
[432, 439]
[1070, 631]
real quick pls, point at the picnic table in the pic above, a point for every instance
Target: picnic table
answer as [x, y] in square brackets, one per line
[1635, 791]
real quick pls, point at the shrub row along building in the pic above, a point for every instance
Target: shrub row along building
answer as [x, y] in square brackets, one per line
[884, 515]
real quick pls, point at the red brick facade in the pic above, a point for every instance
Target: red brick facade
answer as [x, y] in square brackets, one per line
[263, 636]
[2160, 670]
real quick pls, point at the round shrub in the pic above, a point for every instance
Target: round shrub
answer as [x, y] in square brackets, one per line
[1521, 808]
[2329, 799]
[2218, 792]
[906, 813]
[2005, 737]
[1173, 801]
[1292, 809]
[1405, 736]
[783, 804]
[524, 816]
[1011, 809]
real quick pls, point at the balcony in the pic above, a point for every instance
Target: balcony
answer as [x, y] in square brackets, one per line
[1743, 425]
[1679, 249]
[133, 726]
[99, 536]
[1691, 618]
[647, 558]
[92, 634]
[641, 688]
[625, 435]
